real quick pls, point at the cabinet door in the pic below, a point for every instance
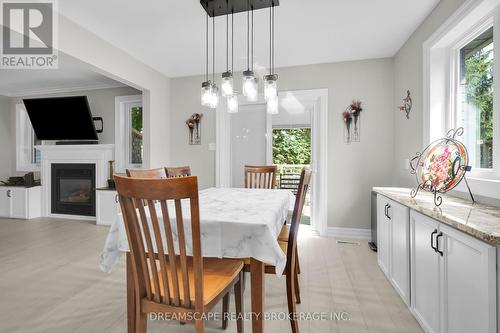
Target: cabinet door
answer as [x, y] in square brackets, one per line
[424, 272]
[383, 235]
[5, 199]
[106, 207]
[19, 208]
[399, 216]
[468, 284]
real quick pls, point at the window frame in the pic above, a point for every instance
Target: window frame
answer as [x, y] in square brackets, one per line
[438, 94]
[24, 141]
[455, 105]
[123, 133]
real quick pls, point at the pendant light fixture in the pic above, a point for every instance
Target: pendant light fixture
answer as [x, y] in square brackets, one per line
[270, 85]
[249, 80]
[227, 76]
[270, 80]
[232, 100]
[206, 86]
[214, 98]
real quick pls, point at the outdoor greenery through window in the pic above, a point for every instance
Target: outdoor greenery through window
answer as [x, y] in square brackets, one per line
[476, 86]
[136, 135]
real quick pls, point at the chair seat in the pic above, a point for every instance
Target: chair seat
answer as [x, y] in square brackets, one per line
[285, 231]
[218, 275]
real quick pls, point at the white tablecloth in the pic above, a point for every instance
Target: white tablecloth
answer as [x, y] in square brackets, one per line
[235, 223]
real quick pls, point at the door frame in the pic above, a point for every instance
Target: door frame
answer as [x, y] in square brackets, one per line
[319, 146]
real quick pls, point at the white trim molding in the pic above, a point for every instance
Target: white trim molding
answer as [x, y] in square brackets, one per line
[350, 233]
[318, 98]
[24, 141]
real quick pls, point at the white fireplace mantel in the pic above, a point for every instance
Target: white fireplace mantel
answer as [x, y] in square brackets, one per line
[99, 155]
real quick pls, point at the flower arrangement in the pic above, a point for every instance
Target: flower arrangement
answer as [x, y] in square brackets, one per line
[439, 169]
[193, 123]
[352, 113]
[407, 105]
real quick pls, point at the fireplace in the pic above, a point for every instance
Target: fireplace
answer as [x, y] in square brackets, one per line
[73, 189]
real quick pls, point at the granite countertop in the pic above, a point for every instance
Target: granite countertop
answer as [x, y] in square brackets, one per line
[477, 220]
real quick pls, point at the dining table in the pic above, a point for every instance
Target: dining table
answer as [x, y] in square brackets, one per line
[235, 223]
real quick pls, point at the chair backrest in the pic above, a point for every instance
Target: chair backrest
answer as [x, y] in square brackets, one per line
[157, 173]
[300, 198]
[260, 176]
[174, 172]
[155, 271]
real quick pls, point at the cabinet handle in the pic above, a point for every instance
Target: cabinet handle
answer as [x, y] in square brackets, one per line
[432, 240]
[116, 198]
[385, 210]
[437, 243]
[9, 193]
[388, 207]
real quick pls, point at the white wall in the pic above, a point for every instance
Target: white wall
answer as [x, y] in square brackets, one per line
[353, 168]
[108, 60]
[408, 74]
[7, 139]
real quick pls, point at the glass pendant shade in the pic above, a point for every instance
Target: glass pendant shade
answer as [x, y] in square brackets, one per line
[270, 86]
[250, 86]
[273, 106]
[214, 96]
[227, 84]
[206, 93]
[232, 104]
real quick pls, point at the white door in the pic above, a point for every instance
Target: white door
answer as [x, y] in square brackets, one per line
[249, 140]
[19, 207]
[5, 199]
[424, 271]
[400, 248]
[469, 286]
[383, 235]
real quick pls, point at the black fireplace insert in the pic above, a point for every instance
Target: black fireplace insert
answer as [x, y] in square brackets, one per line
[73, 189]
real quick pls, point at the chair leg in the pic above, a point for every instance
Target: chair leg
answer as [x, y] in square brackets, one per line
[141, 322]
[225, 310]
[296, 281]
[298, 261]
[290, 295]
[199, 325]
[238, 300]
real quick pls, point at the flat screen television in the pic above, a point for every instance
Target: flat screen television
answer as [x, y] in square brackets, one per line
[61, 118]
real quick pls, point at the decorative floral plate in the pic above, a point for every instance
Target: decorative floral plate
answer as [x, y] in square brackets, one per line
[441, 166]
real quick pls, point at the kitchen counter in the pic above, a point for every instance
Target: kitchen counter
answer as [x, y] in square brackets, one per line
[477, 220]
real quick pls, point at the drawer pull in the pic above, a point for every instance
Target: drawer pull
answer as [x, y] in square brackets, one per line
[9, 193]
[437, 243]
[432, 240]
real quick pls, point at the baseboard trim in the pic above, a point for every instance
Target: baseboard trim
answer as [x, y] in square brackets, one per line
[349, 233]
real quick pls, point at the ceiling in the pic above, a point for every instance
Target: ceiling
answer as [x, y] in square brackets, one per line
[72, 75]
[169, 35]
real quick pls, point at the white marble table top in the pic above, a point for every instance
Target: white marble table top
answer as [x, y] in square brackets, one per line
[235, 223]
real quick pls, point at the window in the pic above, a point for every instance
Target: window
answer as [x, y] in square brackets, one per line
[27, 156]
[461, 89]
[129, 132]
[474, 111]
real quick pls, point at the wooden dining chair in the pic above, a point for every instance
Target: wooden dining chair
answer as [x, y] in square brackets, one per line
[157, 173]
[260, 176]
[290, 249]
[174, 172]
[165, 281]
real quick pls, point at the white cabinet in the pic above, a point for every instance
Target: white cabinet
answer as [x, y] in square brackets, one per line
[107, 206]
[20, 202]
[393, 244]
[453, 279]
[424, 271]
[468, 269]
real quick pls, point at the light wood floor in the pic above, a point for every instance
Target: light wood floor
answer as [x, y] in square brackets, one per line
[50, 282]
